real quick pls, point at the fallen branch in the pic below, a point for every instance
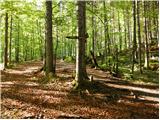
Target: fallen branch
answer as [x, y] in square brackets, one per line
[94, 59]
[63, 116]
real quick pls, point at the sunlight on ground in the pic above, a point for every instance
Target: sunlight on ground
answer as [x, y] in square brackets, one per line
[134, 88]
[39, 91]
[1, 66]
[24, 96]
[31, 69]
[150, 98]
[25, 71]
[6, 84]
[31, 84]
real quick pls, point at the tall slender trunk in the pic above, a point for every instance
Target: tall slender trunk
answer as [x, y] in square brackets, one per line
[26, 49]
[73, 43]
[93, 29]
[125, 30]
[6, 42]
[150, 23]
[157, 19]
[2, 46]
[10, 43]
[40, 40]
[56, 47]
[106, 36]
[116, 59]
[17, 44]
[134, 36]
[146, 38]
[33, 44]
[105, 31]
[84, 39]
[120, 36]
[128, 28]
[139, 35]
[24, 45]
[50, 68]
[80, 59]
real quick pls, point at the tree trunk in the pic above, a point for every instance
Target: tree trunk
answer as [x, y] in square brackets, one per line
[50, 68]
[83, 36]
[41, 42]
[10, 43]
[17, 45]
[6, 42]
[56, 47]
[33, 43]
[26, 49]
[93, 29]
[139, 35]
[149, 23]
[116, 60]
[134, 36]
[105, 32]
[128, 28]
[120, 36]
[80, 59]
[146, 38]
[125, 29]
[94, 59]
[2, 46]
[106, 36]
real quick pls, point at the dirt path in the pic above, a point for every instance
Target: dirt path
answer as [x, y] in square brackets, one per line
[23, 96]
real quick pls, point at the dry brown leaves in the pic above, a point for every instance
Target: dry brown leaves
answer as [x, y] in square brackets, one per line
[24, 97]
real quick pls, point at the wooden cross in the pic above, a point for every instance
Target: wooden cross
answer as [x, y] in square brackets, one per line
[76, 37]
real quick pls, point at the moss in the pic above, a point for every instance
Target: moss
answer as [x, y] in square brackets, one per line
[11, 65]
[47, 79]
[83, 85]
[75, 84]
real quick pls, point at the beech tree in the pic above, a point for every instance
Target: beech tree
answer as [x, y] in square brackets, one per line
[107, 24]
[134, 37]
[139, 35]
[17, 44]
[6, 42]
[10, 42]
[81, 74]
[48, 37]
[146, 37]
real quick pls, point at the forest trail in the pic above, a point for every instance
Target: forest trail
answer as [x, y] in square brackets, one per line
[24, 96]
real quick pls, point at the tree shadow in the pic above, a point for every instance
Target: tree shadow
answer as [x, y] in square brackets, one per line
[148, 76]
[101, 96]
[74, 101]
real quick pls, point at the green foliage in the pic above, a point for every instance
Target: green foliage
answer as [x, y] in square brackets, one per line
[30, 16]
[103, 66]
[69, 59]
[12, 65]
[148, 76]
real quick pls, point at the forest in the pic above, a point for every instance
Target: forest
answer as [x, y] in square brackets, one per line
[63, 59]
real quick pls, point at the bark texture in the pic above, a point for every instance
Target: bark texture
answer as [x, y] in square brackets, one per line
[81, 73]
[48, 36]
[6, 42]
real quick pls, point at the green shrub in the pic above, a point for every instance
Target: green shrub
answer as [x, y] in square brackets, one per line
[69, 59]
[103, 66]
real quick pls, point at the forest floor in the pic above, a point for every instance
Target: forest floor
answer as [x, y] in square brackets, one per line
[24, 95]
